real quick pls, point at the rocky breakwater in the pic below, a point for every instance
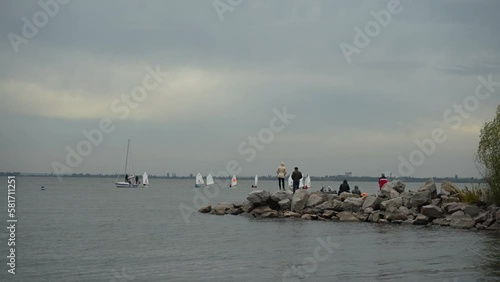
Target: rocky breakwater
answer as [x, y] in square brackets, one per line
[392, 204]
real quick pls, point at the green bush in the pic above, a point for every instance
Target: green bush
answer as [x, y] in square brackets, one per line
[488, 156]
[472, 196]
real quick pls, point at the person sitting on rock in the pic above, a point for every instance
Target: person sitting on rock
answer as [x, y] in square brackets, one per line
[344, 187]
[356, 191]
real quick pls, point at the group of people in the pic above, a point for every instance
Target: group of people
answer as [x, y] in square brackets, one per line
[129, 178]
[297, 175]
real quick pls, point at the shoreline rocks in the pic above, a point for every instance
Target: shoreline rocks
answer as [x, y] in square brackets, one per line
[390, 205]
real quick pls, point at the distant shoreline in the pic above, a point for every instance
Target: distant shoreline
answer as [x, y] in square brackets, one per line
[313, 178]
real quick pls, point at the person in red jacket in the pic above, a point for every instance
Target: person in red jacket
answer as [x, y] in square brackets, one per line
[382, 181]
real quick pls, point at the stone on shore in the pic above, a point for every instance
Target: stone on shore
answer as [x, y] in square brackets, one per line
[372, 202]
[285, 204]
[481, 218]
[279, 196]
[315, 199]
[258, 211]
[291, 214]
[431, 187]
[449, 188]
[247, 206]
[328, 214]
[432, 211]
[345, 195]
[396, 216]
[471, 210]
[299, 201]
[392, 204]
[421, 220]
[347, 216]
[398, 186]
[206, 209]
[258, 197]
[421, 198]
[269, 214]
[441, 222]
[462, 221]
[306, 217]
[352, 204]
[388, 192]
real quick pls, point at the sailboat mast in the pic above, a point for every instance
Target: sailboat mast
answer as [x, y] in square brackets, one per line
[126, 157]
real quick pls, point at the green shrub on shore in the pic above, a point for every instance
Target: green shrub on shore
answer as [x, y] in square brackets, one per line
[472, 196]
[488, 157]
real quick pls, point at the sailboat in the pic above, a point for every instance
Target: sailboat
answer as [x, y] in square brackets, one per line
[234, 181]
[145, 180]
[256, 181]
[210, 180]
[301, 183]
[307, 182]
[128, 183]
[290, 181]
[199, 181]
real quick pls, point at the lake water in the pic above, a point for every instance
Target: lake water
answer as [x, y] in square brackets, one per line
[85, 229]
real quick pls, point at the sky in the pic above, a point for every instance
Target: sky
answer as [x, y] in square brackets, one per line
[328, 86]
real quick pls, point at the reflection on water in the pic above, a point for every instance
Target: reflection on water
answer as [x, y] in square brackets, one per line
[88, 230]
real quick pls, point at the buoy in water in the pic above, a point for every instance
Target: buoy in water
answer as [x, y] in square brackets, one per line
[42, 188]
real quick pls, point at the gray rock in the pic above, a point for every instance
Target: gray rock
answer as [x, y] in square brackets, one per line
[462, 221]
[347, 216]
[405, 210]
[337, 205]
[432, 211]
[441, 221]
[352, 204]
[471, 210]
[345, 195]
[372, 202]
[361, 216]
[314, 200]
[458, 213]
[328, 214]
[258, 197]
[220, 210]
[269, 214]
[397, 221]
[314, 217]
[238, 204]
[206, 209]
[279, 196]
[454, 207]
[383, 221]
[489, 222]
[421, 198]
[408, 222]
[481, 218]
[494, 226]
[247, 206]
[397, 215]
[285, 204]
[306, 217]
[291, 214]
[392, 204]
[376, 216]
[449, 188]
[398, 186]
[388, 192]
[421, 220]
[497, 215]
[236, 211]
[431, 187]
[327, 205]
[406, 198]
[299, 200]
[451, 200]
[436, 202]
[258, 211]
[368, 210]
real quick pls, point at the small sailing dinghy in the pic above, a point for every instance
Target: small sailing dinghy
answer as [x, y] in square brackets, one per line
[301, 183]
[145, 180]
[199, 181]
[210, 180]
[234, 181]
[290, 181]
[129, 178]
[307, 182]
[256, 181]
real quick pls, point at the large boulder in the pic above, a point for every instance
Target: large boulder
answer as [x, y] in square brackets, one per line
[441, 221]
[258, 197]
[481, 218]
[223, 208]
[299, 200]
[247, 206]
[285, 204]
[462, 221]
[396, 215]
[372, 202]
[291, 214]
[347, 216]
[315, 199]
[206, 209]
[391, 205]
[236, 211]
[451, 200]
[421, 198]
[337, 206]
[405, 210]
[269, 214]
[328, 214]
[279, 196]
[406, 198]
[398, 186]
[432, 211]
[260, 210]
[388, 192]
[352, 204]
[449, 188]
[327, 205]
[431, 187]
[497, 215]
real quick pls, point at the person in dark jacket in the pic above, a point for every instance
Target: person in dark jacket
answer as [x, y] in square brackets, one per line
[356, 191]
[344, 187]
[296, 176]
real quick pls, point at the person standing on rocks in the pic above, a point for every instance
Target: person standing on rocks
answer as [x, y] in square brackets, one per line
[296, 176]
[382, 181]
[281, 171]
[344, 187]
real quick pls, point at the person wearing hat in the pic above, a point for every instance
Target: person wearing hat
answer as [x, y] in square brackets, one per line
[281, 171]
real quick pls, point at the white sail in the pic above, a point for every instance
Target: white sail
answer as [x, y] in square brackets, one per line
[145, 180]
[301, 183]
[290, 181]
[234, 181]
[199, 179]
[308, 182]
[256, 180]
[210, 179]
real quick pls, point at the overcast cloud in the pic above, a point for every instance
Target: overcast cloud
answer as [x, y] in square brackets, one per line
[226, 77]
